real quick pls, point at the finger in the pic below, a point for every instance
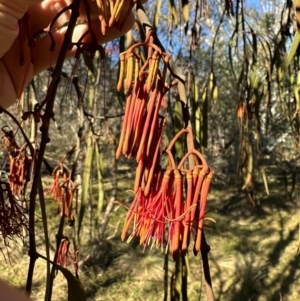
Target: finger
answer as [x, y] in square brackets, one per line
[16, 8]
[43, 57]
[50, 8]
[9, 293]
[10, 12]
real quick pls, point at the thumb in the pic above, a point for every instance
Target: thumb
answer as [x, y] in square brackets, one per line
[11, 11]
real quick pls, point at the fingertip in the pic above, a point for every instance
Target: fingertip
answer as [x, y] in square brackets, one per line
[44, 58]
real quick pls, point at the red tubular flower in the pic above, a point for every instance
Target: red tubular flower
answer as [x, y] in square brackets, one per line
[187, 219]
[133, 212]
[62, 190]
[124, 126]
[65, 257]
[55, 189]
[150, 108]
[202, 206]
[19, 171]
[147, 213]
[154, 222]
[176, 225]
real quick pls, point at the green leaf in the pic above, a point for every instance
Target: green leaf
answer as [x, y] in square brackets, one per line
[86, 181]
[297, 98]
[178, 126]
[185, 14]
[254, 45]
[204, 120]
[265, 179]
[292, 51]
[156, 14]
[197, 116]
[296, 93]
[75, 287]
[173, 10]
[230, 45]
[89, 63]
[253, 78]
[100, 180]
[195, 92]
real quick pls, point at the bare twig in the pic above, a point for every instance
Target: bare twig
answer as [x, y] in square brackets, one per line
[49, 102]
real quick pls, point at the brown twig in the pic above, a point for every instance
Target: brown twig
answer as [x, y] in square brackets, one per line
[49, 102]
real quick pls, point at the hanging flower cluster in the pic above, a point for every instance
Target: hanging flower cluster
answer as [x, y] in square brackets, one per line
[146, 88]
[110, 13]
[13, 216]
[169, 215]
[65, 257]
[62, 190]
[19, 170]
[163, 213]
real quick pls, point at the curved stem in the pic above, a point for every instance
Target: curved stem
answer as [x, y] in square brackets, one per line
[193, 152]
[142, 16]
[185, 130]
[171, 159]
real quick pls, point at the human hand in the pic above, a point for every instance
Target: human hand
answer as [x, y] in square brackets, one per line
[8, 293]
[13, 76]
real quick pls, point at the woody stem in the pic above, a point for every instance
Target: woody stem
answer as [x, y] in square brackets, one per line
[49, 100]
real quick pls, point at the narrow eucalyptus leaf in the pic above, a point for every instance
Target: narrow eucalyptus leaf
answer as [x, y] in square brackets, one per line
[75, 287]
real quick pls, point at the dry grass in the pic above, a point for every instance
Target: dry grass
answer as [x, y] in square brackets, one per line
[253, 257]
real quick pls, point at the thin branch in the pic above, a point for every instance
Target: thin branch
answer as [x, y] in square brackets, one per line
[46, 118]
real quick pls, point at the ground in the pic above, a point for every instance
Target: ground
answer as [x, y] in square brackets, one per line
[254, 253]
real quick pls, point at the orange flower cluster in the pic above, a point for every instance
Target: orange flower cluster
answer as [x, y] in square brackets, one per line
[163, 212]
[241, 109]
[245, 110]
[168, 215]
[143, 125]
[65, 257]
[62, 190]
[110, 13]
[13, 217]
[19, 171]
